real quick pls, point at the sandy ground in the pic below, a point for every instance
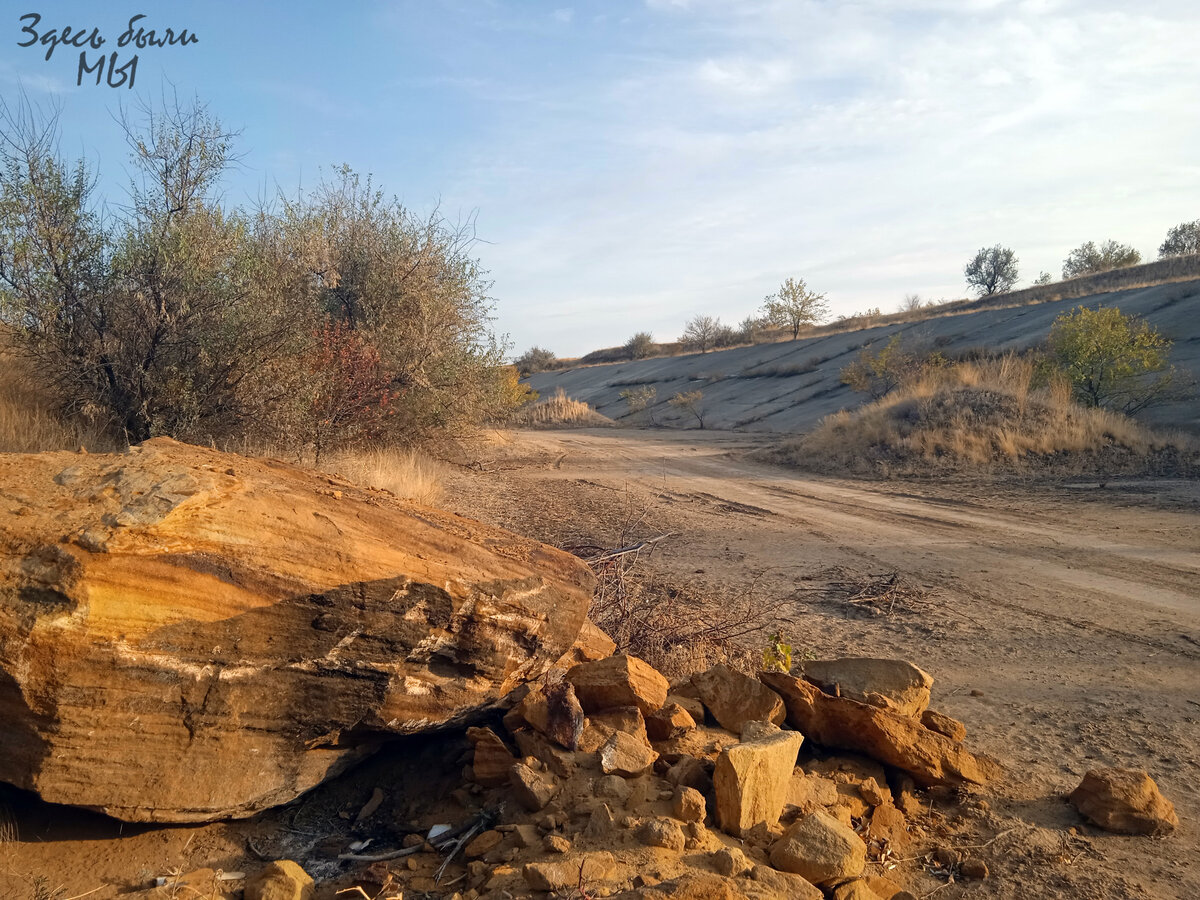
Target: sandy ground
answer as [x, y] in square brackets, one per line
[1061, 622]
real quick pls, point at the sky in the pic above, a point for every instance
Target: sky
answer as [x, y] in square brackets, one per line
[632, 163]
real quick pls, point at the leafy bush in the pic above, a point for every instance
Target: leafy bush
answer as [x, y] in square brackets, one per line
[640, 399]
[1113, 361]
[881, 372]
[690, 401]
[535, 359]
[641, 345]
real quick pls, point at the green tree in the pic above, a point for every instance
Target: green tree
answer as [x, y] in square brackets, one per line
[1043, 279]
[993, 270]
[1087, 259]
[1182, 240]
[794, 305]
[1114, 361]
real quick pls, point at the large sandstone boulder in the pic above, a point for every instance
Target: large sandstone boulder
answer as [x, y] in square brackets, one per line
[1126, 801]
[618, 681]
[820, 849]
[888, 683]
[735, 699]
[889, 737]
[188, 635]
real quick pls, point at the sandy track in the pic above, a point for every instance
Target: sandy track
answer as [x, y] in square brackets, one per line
[1073, 611]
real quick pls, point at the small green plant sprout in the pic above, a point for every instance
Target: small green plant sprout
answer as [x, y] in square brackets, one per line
[777, 655]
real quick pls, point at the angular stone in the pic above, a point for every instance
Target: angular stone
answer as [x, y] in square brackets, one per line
[687, 805]
[281, 880]
[618, 681]
[751, 781]
[612, 787]
[670, 721]
[691, 705]
[889, 737]
[532, 789]
[690, 772]
[887, 683]
[943, 724]
[785, 884]
[166, 622]
[889, 823]
[591, 644]
[491, 760]
[600, 823]
[625, 755]
[662, 833]
[810, 792]
[735, 699]
[701, 742]
[1126, 801]
[820, 849]
[566, 873]
[556, 843]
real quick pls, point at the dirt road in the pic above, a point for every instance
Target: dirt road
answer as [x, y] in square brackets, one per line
[1062, 622]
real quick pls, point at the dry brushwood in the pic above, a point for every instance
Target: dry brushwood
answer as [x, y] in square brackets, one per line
[883, 593]
[658, 621]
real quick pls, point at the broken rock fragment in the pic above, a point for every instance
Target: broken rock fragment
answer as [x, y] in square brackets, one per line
[620, 680]
[820, 849]
[735, 699]
[626, 755]
[887, 683]
[889, 737]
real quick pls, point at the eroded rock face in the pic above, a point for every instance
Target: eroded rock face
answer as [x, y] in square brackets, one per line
[188, 635]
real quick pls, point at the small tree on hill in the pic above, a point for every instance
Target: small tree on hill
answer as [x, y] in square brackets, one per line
[690, 401]
[1182, 240]
[641, 345]
[881, 372]
[700, 332]
[640, 399]
[795, 305]
[1043, 279]
[993, 270]
[1087, 259]
[1114, 361]
[535, 359]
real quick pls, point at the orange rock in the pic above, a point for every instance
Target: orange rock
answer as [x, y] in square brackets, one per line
[751, 781]
[670, 721]
[889, 737]
[735, 699]
[491, 760]
[618, 681]
[943, 724]
[1126, 801]
[887, 683]
[167, 622]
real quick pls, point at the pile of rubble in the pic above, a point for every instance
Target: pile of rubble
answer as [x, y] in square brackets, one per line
[608, 781]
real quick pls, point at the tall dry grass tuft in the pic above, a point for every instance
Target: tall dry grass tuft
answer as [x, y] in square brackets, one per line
[560, 411]
[28, 421]
[409, 474]
[986, 415]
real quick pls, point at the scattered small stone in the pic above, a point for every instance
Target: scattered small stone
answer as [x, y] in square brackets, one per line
[785, 884]
[873, 794]
[612, 787]
[483, 843]
[688, 805]
[670, 721]
[556, 843]
[945, 857]
[730, 862]
[856, 889]
[533, 789]
[973, 867]
[625, 755]
[562, 874]
[281, 880]
[600, 823]
[661, 833]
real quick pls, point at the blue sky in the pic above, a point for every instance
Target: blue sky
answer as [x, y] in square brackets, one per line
[635, 162]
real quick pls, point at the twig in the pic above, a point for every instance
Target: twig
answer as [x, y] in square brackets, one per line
[380, 857]
[632, 548]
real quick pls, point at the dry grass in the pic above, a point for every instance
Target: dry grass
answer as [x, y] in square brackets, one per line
[981, 417]
[406, 473]
[560, 411]
[28, 422]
